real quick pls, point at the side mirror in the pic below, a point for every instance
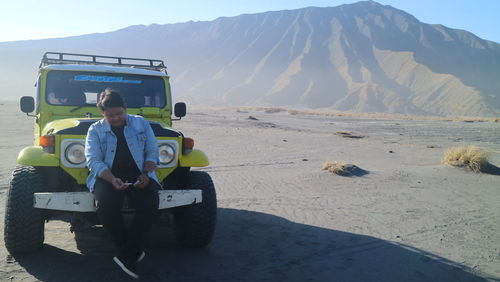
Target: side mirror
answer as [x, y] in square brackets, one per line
[27, 104]
[180, 110]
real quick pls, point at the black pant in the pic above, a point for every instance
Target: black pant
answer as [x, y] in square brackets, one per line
[109, 203]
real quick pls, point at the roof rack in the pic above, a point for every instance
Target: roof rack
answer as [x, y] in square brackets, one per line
[57, 58]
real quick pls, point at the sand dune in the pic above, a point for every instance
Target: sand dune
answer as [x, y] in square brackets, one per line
[282, 218]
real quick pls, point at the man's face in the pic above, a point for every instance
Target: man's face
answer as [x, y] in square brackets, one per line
[115, 116]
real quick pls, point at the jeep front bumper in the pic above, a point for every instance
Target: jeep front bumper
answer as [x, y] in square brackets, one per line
[84, 201]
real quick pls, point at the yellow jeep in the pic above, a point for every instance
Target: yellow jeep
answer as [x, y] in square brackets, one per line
[50, 179]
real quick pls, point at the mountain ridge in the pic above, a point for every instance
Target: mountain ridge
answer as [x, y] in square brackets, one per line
[362, 57]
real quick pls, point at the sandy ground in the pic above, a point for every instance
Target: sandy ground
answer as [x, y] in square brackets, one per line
[281, 218]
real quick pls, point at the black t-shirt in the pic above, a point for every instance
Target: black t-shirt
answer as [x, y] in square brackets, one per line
[124, 166]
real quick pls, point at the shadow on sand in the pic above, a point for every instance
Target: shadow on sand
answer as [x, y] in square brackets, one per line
[491, 169]
[251, 246]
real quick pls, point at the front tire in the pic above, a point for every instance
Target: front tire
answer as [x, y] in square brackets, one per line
[195, 224]
[24, 225]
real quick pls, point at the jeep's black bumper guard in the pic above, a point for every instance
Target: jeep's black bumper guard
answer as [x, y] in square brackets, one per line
[83, 127]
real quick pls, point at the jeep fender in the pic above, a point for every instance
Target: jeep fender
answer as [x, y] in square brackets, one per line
[35, 156]
[195, 158]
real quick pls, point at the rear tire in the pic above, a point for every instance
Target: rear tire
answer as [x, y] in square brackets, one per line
[24, 225]
[195, 224]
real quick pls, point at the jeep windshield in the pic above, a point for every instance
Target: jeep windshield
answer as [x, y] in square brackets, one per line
[81, 89]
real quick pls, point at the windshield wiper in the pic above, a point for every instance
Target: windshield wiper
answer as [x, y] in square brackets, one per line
[77, 108]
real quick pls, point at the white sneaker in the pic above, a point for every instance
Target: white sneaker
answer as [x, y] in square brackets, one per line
[141, 256]
[127, 267]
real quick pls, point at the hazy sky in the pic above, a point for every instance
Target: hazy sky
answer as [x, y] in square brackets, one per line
[34, 19]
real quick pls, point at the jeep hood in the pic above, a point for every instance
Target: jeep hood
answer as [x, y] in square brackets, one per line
[68, 126]
[79, 126]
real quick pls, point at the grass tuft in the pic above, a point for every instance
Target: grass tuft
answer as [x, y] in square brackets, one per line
[466, 156]
[336, 167]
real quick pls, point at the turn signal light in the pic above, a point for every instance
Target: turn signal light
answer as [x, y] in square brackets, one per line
[187, 145]
[47, 140]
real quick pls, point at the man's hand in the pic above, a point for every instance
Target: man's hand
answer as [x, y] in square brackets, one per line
[118, 184]
[149, 166]
[142, 181]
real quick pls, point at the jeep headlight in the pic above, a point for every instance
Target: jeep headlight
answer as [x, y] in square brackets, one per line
[75, 153]
[166, 154]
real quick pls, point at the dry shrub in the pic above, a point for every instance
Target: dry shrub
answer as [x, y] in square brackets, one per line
[336, 167]
[273, 110]
[466, 156]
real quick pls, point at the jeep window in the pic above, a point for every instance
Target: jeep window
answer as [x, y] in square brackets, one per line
[73, 88]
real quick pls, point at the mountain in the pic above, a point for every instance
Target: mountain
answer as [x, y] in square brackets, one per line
[362, 57]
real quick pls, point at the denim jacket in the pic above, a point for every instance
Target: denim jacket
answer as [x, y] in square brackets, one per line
[100, 146]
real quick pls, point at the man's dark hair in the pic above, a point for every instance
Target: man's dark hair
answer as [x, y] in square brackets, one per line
[110, 98]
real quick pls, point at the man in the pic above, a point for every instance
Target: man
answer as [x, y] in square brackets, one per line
[122, 153]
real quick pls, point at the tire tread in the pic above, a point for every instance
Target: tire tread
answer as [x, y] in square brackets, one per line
[198, 220]
[24, 225]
